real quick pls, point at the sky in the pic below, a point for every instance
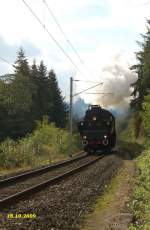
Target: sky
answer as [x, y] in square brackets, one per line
[103, 32]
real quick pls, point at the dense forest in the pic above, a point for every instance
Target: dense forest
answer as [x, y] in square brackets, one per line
[26, 96]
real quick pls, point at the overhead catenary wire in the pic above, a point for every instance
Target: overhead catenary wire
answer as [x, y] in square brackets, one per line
[101, 93]
[88, 89]
[87, 81]
[52, 37]
[64, 34]
[4, 60]
[62, 31]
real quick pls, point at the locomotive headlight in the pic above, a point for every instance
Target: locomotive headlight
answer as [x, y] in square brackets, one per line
[84, 137]
[105, 136]
[94, 118]
[81, 123]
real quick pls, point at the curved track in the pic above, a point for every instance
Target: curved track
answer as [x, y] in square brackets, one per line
[23, 176]
[37, 180]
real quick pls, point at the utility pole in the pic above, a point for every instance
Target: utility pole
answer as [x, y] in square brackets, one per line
[71, 108]
[70, 117]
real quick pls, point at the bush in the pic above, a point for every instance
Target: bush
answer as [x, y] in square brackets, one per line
[45, 145]
[141, 195]
[129, 132]
[146, 121]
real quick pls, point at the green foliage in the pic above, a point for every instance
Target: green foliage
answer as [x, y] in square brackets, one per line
[58, 113]
[28, 95]
[129, 132]
[146, 118]
[45, 145]
[141, 195]
[134, 132]
[138, 129]
[142, 68]
[133, 149]
[21, 64]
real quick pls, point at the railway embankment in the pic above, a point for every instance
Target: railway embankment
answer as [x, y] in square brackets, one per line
[140, 204]
[102, 196]
[114, 210]
[111, 211]
[140, 199]
[63, 205]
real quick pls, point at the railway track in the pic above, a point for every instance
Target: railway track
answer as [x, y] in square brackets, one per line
[21, 186]
[32, 173]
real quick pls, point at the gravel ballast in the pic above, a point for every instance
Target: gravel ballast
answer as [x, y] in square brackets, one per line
[37, 179]
[63, 205]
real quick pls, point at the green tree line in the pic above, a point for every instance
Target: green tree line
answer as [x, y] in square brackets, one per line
[140, 130]
[27, 95]
[142, 85]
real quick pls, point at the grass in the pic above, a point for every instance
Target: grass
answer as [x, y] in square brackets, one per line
[45, 145]
[134, 149]
[141, 197]
[105, 202]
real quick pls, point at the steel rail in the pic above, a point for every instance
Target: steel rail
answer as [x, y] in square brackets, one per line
[32, 190]
[26, 175]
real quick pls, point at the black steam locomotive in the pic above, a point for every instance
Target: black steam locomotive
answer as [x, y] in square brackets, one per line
[97, 129]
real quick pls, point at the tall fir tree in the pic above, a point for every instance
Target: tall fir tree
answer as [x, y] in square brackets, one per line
[58, 114]
[21, 97]
[34, 75]
[142, 68]
[26, 96]
[21, 65]
[43, 96]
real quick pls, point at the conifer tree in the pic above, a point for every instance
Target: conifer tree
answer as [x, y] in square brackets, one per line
[42, 90]
[21, 98]
[142, 68]
[26, 96]
[21, 64]
[58, 108]
[34, 78]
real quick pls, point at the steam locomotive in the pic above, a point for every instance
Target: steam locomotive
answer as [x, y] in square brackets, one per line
[97, 130]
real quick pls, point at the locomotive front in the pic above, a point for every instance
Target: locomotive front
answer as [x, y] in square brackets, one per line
[97, 129]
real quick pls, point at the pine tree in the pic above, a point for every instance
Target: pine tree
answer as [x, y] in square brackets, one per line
[142, 68]
[58, 114]
[21, 64]
[21, 97]
[26, 96]
[43, 96]
[34, 71]
[34, 75]
[3, 110]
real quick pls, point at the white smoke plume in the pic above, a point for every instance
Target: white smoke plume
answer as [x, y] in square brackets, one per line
[117, 78]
